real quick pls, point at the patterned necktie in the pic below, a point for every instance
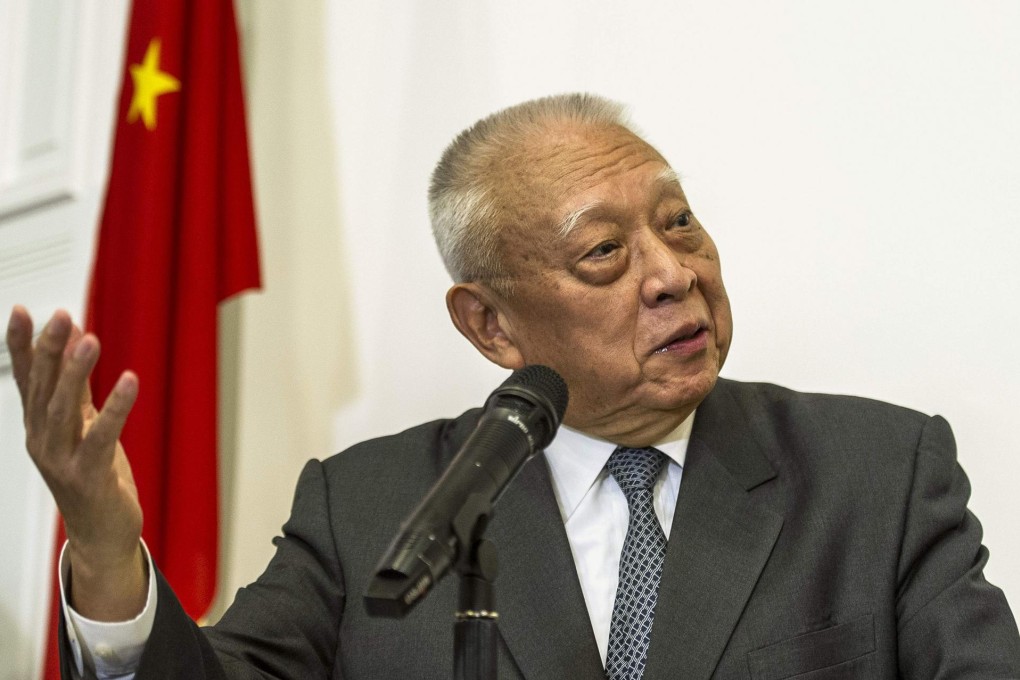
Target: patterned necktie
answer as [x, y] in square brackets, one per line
[644, 550]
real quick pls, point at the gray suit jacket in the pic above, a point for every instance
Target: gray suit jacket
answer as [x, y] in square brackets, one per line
[815, 537]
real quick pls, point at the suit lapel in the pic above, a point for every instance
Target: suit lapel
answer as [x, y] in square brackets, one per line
[543, 618]
[720, 540]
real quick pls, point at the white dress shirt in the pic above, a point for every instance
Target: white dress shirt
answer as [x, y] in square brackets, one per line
[594, 512]
[113, 650]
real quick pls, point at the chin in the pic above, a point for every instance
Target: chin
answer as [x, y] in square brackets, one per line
[690, 391]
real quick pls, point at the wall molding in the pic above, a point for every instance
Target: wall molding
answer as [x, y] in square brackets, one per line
[46, 86]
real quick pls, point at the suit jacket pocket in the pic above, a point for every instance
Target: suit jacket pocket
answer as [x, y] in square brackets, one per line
[814, 651]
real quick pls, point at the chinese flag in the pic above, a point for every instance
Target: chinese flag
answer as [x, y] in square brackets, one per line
[177, 236]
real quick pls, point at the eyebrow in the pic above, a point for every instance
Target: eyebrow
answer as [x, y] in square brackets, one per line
[570, 221]
[667, 176]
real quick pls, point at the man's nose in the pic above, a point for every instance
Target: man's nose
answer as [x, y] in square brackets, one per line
[665, 275]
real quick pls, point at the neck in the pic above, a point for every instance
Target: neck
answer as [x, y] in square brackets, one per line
[633, 431]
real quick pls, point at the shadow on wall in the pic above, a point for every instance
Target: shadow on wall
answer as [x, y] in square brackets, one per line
[287, 356]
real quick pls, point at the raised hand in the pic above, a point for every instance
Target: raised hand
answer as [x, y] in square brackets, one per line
[77, 450]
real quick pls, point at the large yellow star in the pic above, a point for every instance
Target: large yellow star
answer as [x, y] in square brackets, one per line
[150, 82]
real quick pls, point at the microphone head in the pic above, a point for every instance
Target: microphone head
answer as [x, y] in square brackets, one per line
[521, 417]
[538, 386]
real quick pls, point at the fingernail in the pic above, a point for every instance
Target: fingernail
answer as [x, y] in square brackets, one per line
[123, 382]
[56, 326]
[14, 322]
[82, 350]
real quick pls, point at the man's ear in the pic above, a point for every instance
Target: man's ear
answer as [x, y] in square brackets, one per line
[475, 311]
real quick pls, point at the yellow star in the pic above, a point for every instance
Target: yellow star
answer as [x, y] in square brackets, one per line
[150, 82]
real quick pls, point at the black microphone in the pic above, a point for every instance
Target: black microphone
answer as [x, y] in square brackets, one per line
[520, 418]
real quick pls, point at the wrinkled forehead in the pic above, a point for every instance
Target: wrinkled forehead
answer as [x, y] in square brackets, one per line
[554, 176]
[565, 160]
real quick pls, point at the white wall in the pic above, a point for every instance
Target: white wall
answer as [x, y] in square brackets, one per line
[856, 163]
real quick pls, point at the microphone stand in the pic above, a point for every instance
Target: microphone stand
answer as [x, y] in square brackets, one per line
[474, 632]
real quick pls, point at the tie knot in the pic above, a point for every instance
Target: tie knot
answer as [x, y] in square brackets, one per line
[635, 469]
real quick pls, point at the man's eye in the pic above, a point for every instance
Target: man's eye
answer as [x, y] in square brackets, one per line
[683, 219]
[602, 250]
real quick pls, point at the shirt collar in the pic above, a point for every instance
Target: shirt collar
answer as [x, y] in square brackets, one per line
[577, 459]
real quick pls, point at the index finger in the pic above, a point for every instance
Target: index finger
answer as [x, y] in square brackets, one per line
[19, 342]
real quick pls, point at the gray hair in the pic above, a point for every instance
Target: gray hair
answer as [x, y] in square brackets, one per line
[464, 202]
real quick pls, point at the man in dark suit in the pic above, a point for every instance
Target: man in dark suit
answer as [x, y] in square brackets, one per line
[808, 536]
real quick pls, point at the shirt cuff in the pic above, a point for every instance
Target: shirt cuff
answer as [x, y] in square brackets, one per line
[110, 649]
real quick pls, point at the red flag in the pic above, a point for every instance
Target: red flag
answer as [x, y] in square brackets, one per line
[177, 236]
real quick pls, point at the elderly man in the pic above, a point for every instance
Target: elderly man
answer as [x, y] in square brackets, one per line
[679, 525]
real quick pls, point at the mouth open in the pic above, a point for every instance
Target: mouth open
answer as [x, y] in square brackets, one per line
[689, 342]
